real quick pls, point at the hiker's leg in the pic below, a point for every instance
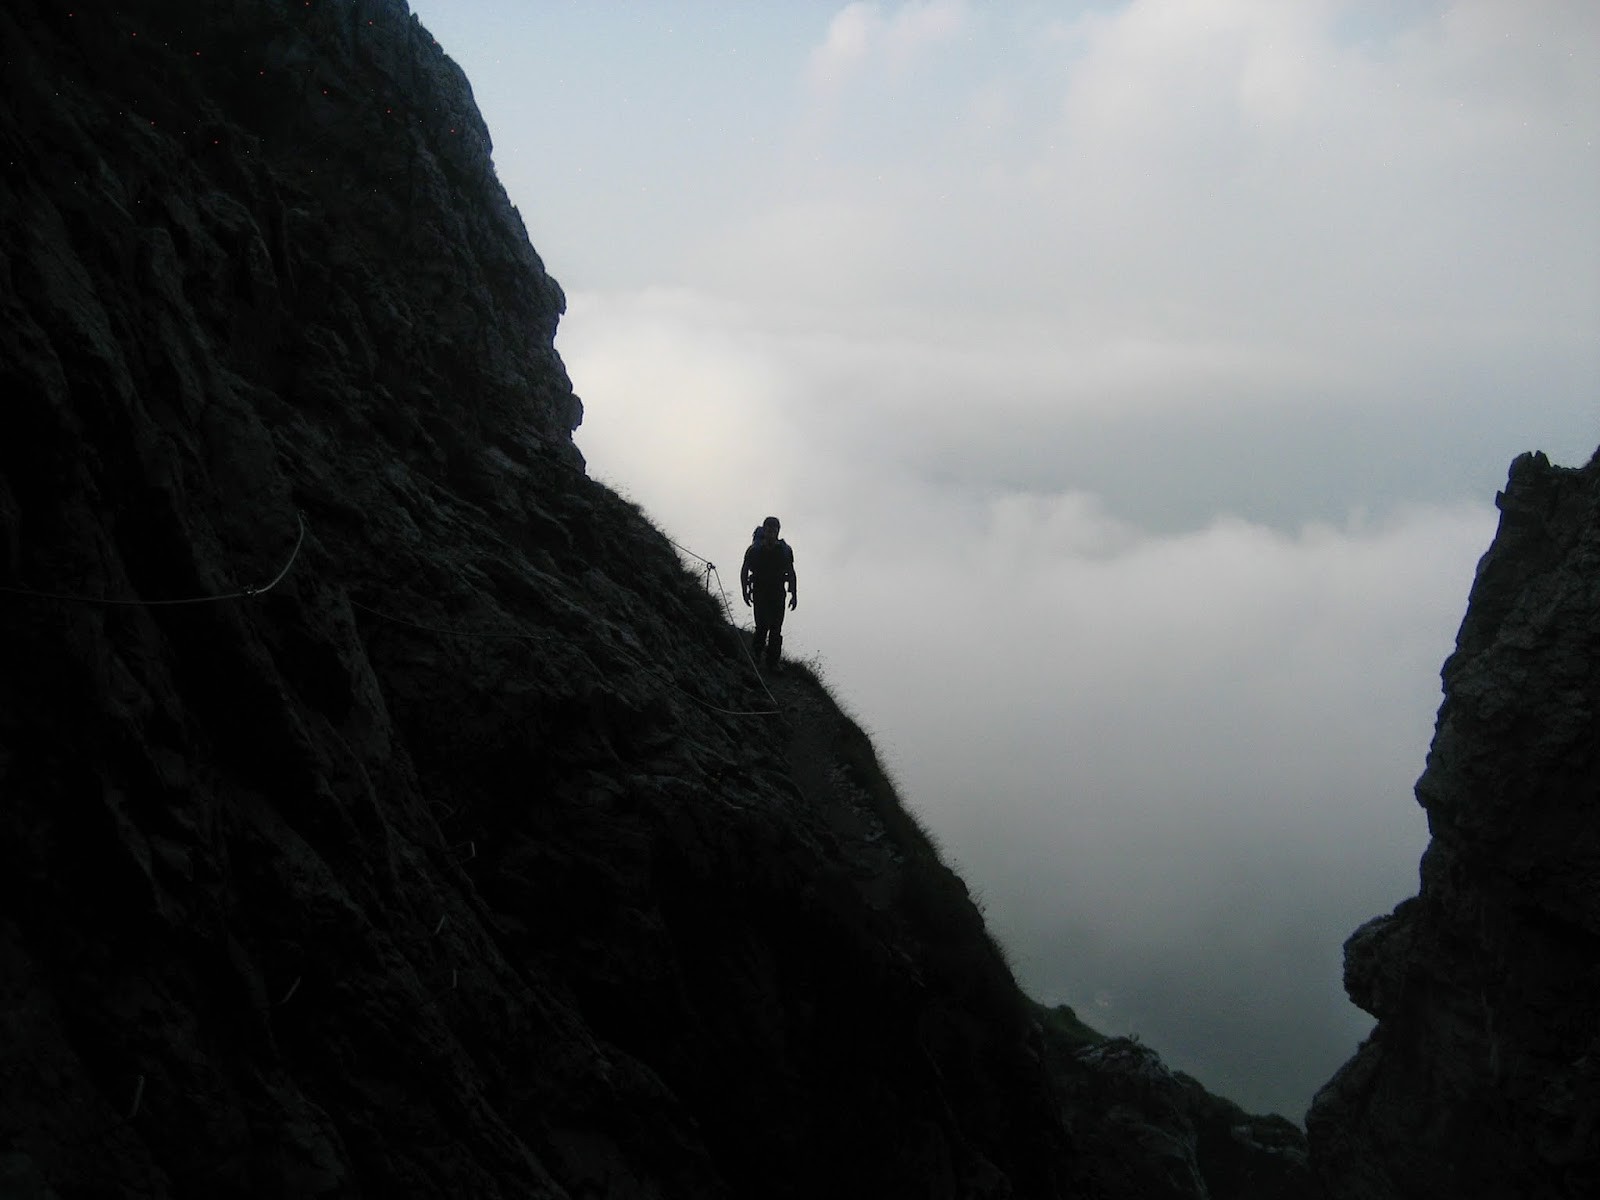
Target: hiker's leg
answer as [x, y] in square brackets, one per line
[768, 617]
[775, 637]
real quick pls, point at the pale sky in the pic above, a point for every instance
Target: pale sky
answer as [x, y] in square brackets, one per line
[1133, 380]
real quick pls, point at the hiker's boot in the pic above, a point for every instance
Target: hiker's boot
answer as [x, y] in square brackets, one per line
[774, 652]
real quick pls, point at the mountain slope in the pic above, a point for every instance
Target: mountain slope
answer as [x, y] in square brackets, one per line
[434, 869]
[386, 810]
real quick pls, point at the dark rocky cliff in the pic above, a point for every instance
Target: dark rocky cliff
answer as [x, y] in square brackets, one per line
[466, 857]
[1482, 1078]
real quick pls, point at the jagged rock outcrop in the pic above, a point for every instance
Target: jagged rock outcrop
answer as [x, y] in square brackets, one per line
[1146, 1132]
[1482, 1078]
[437, 839]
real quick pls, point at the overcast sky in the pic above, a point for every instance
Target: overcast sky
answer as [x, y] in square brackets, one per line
[1133, 379]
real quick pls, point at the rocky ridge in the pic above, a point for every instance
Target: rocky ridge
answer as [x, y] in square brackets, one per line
[1482, 1078]
[387, 811]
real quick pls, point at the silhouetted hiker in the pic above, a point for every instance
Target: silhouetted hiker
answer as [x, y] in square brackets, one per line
[768, 565]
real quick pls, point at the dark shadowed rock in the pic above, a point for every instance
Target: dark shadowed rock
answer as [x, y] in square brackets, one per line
[1482, 1078]
[1146, 1132]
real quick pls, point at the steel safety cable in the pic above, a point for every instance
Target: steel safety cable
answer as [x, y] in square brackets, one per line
[245, 593]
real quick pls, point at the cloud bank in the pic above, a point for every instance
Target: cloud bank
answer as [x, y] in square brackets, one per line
[1133, 379]
[1175, 766]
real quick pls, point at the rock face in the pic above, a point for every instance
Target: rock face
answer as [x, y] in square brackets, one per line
[1482, 1078]
[386, 809]
[1145, 1132]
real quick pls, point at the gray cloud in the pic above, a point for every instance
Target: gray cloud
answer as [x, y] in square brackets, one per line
[1175, 765]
